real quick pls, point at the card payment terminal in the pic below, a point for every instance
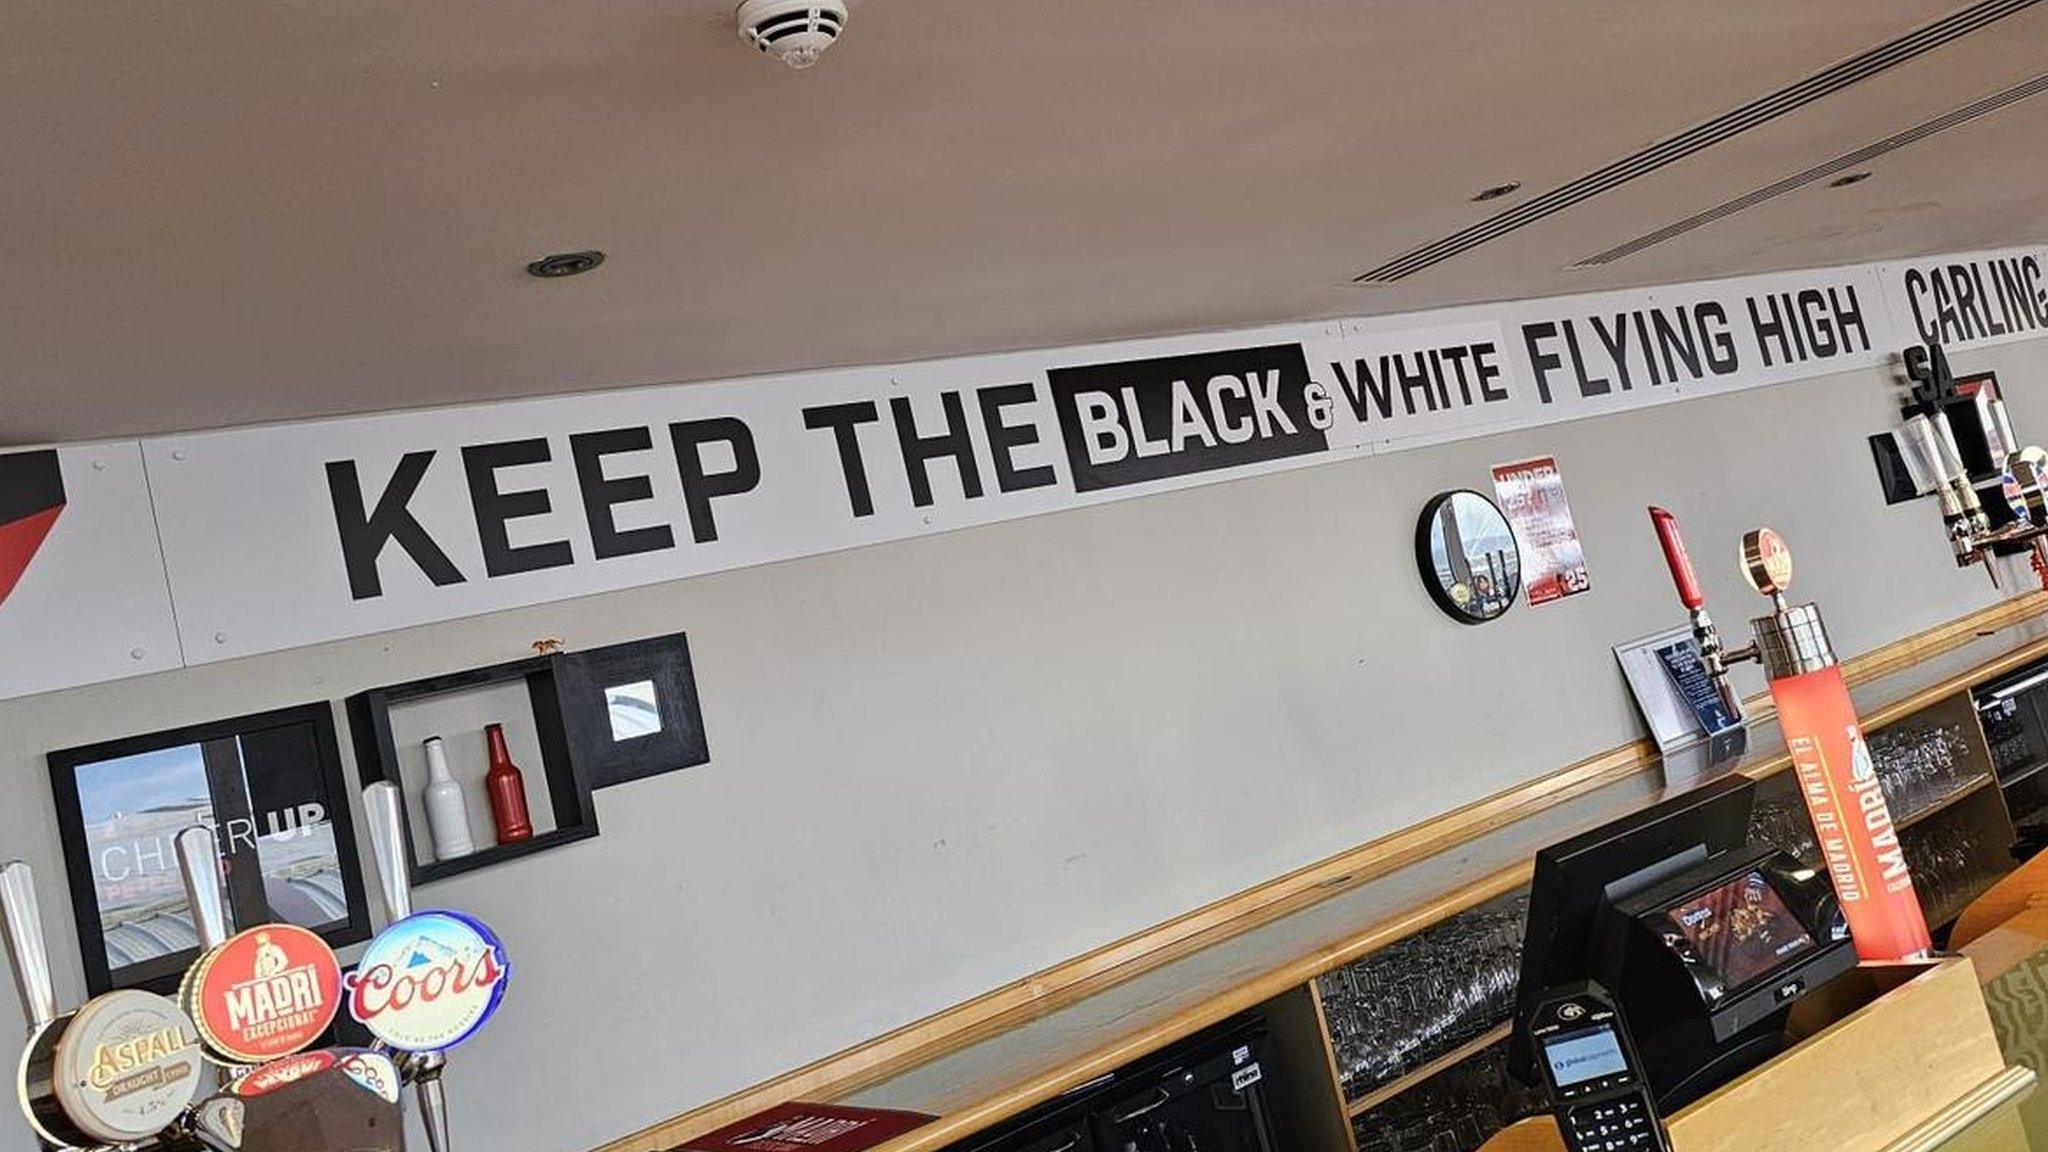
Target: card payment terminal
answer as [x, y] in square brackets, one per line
[1589, 1064]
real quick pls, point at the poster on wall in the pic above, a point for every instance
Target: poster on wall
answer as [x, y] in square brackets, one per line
[270, 788]
[1531, 492]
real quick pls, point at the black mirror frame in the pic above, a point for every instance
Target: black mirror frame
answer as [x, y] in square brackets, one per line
[1425, 561]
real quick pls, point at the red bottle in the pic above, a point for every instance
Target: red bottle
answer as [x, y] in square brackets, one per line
[507, 790]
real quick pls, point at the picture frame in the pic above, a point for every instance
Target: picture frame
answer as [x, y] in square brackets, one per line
[271, 786]
[631, 710]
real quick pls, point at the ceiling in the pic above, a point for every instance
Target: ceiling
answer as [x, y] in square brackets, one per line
[241, 211]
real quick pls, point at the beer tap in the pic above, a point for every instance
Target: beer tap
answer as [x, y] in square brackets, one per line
[199, 866]
[29, 958]
[286, 1100]
[1929, 438]
[1714, 656]
[25, 950]
[1824, 740]
[385, 809]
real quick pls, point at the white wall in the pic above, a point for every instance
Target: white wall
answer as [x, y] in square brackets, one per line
[940, 764]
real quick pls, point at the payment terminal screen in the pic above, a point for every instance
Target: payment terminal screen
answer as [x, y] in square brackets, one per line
[1586, 1054]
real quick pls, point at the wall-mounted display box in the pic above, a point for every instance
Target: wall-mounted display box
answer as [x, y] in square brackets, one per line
[572, 722]
[391, 725]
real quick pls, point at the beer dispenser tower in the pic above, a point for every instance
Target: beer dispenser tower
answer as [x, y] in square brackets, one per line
[1837, 776]
[1960, 447]
[332, 1093]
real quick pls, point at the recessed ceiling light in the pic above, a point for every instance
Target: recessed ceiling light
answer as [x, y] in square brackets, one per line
[565, 264]
[1851, 178]
[1497, 191]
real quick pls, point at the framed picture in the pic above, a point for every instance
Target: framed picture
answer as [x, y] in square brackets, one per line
[269, 785]
[631, 710]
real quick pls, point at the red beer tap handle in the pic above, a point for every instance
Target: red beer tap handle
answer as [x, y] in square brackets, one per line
[1682, 574]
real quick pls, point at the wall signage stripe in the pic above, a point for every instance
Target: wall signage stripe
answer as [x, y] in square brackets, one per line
[283, 535]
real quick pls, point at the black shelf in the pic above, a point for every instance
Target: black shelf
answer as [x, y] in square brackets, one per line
[1948, 800]
[567, 788]
[2023, 775]
[499, 853]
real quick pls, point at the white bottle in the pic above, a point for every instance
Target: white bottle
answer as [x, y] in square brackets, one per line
[447, 814]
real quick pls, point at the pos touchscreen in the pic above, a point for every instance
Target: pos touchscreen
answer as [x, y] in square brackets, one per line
[1741, 929]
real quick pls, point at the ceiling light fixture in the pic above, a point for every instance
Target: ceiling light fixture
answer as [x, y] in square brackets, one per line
[1497, 191]
[795, 32]
[565, 264]
[1851, 178]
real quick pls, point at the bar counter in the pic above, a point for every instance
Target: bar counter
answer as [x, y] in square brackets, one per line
[1051, 1039]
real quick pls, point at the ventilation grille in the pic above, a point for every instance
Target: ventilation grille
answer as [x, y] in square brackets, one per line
[1844, 163]
[1703, 136]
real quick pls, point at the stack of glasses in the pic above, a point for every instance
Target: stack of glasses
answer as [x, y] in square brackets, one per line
[1412, 1001]
[1919, 767]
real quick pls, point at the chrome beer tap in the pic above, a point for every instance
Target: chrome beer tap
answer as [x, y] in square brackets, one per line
[1928, 438]
[25, 951]
[385, 809]
[327, 1100]
[1714, 656]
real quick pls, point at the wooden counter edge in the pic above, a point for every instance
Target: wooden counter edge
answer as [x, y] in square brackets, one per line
[1007, 1006]
[2007, 1087]
[1925, 1048]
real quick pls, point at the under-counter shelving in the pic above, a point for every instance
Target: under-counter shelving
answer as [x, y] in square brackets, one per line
[1935, 767]
[1403, 1009]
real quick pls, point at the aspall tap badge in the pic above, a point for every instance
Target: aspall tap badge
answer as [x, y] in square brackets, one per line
[429, 981]
[267, 992]
[125, 1067]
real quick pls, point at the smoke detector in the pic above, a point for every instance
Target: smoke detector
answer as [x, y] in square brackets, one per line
[795, 32]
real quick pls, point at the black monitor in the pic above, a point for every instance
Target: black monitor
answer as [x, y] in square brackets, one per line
[1704, 941]
[1576, 877]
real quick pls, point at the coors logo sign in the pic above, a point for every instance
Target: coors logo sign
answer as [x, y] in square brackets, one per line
[429, 981]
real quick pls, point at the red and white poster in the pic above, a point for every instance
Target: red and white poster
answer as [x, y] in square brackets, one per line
[1531, 492]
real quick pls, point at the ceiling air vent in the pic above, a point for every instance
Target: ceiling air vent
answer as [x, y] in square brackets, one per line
[1727, 125]
[1846, 162]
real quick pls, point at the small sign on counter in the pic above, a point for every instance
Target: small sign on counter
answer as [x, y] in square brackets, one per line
[1676, 696]
[802, 1127]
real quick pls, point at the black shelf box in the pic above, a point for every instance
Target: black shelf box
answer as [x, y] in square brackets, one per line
[389, 725]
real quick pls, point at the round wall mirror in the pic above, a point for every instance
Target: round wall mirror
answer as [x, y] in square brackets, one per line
[1468, 556]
